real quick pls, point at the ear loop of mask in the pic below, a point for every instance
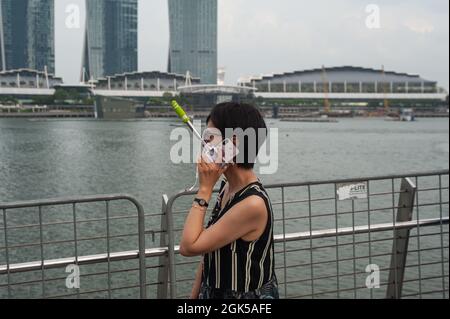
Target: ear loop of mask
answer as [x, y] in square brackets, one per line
[196, 170]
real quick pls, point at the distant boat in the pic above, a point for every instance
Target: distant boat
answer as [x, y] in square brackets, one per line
[309, 120]
[407, 115]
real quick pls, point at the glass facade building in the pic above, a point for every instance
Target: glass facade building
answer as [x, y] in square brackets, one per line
[345, 79]
[27, 35]
[111, 39]
[193, 38]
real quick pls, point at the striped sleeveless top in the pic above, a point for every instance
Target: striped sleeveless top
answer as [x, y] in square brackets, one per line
[241, 266]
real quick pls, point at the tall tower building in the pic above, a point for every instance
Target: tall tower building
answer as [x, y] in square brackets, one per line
[27, 34]
[193, 38]
[111, 39]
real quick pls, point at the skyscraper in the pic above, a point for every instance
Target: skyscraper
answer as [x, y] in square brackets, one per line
[111, 37]
[27, 37]
[193, 38]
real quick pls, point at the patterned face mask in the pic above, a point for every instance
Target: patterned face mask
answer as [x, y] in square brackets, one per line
[212, 139]
[212, 136]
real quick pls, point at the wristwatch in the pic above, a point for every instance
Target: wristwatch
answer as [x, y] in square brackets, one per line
[201, 202]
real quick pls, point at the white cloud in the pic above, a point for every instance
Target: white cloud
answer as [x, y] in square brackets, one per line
[419, 25]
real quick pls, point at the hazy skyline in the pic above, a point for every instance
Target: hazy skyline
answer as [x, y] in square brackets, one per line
[268, 36]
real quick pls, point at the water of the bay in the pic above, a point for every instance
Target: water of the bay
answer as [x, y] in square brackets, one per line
[58, 158]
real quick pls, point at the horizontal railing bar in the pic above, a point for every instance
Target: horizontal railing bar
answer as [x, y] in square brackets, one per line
[316, 293]
[154, 267]
[154, 284]
[320, 278]
[67, 241]
[185, 211]
[358, 257]
[356, 243]
[360, 179]
[323, 215]
[359, 230]
[155, 252]
[191, 279]
[356, 273]
[65, 277]
[353, 258]
[334, 261]
[425, 264]
[154, 215]
[331, 182]
[93, 292]
[336, 291]
[431, 189]
[83, 260]
[387, 209]
[361, 272]
[185, 279]
[187, 263]
[365, 288]
[424, 278]
[66, 201]
[425, 293]
[81, 221]
[277, 203]
[298, 201]
[158, 231]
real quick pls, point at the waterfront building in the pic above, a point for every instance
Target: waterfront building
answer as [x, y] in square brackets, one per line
[193, 38]
[348, 86]
[143, 81]
[27, 38]
[111, 39]
[346, 79]
[27, 79]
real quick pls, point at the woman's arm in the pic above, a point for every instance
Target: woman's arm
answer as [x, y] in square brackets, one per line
[240, 220]
[198, 281]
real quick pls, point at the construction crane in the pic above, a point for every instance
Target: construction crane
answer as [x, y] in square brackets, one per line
[326, 90]
[386, 101]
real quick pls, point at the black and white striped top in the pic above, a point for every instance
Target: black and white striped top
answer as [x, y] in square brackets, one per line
[241, 266]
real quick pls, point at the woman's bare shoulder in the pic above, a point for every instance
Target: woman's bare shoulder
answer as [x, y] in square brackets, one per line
[253, 206]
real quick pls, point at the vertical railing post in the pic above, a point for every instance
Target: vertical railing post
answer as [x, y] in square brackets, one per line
[163, 271]
[142, 261]
[171, 249]
[401, 240]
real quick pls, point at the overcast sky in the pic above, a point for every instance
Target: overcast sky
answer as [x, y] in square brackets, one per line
[275, 36]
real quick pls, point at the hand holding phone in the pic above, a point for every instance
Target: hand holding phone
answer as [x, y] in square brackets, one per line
[223, 153]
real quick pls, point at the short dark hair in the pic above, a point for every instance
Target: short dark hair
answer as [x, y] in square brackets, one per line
[240, 116]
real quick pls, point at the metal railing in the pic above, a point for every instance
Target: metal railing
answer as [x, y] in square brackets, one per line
[329, 227]
[394, 240]
[15, 230]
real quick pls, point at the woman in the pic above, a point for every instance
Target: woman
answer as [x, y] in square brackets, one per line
[237, 245]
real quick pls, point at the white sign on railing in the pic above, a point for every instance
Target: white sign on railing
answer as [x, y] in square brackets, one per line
[352, 191]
